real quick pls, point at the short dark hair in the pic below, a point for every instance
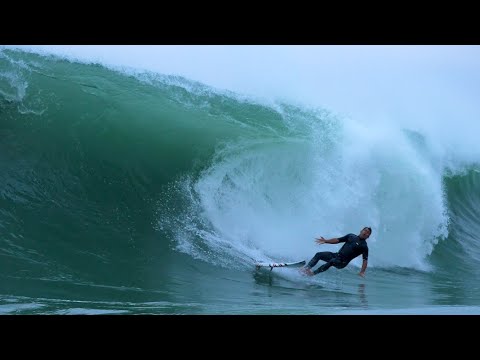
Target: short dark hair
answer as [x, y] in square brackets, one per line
[366, 227]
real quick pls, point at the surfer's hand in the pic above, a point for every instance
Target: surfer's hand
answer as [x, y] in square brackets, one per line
[320, 240]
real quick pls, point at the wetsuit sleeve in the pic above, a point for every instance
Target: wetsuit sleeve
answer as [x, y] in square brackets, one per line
[343, 238]
[365, 254]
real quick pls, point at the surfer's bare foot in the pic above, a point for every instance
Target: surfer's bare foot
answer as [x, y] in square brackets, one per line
[307, 271]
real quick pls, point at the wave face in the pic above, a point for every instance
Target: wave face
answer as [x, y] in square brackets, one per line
[121, 188]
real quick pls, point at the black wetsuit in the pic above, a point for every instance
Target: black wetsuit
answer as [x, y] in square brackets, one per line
[353, 247]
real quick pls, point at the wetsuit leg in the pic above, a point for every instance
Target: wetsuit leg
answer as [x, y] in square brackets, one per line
[335, 261]
[325, 256]
[323, 268]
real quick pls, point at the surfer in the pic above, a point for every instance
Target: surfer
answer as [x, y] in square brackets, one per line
[354, 246]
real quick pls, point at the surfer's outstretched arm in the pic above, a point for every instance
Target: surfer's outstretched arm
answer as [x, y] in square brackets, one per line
[364, 267]
[321, 240]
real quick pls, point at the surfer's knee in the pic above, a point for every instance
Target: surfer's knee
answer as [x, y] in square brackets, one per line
[340, 265]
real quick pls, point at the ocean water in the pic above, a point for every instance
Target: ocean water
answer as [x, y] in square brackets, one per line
[126, 191]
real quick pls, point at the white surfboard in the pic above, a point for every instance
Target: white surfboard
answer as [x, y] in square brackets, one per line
[272, 265]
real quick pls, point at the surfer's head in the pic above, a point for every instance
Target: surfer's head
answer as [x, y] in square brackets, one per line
[365, 233]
